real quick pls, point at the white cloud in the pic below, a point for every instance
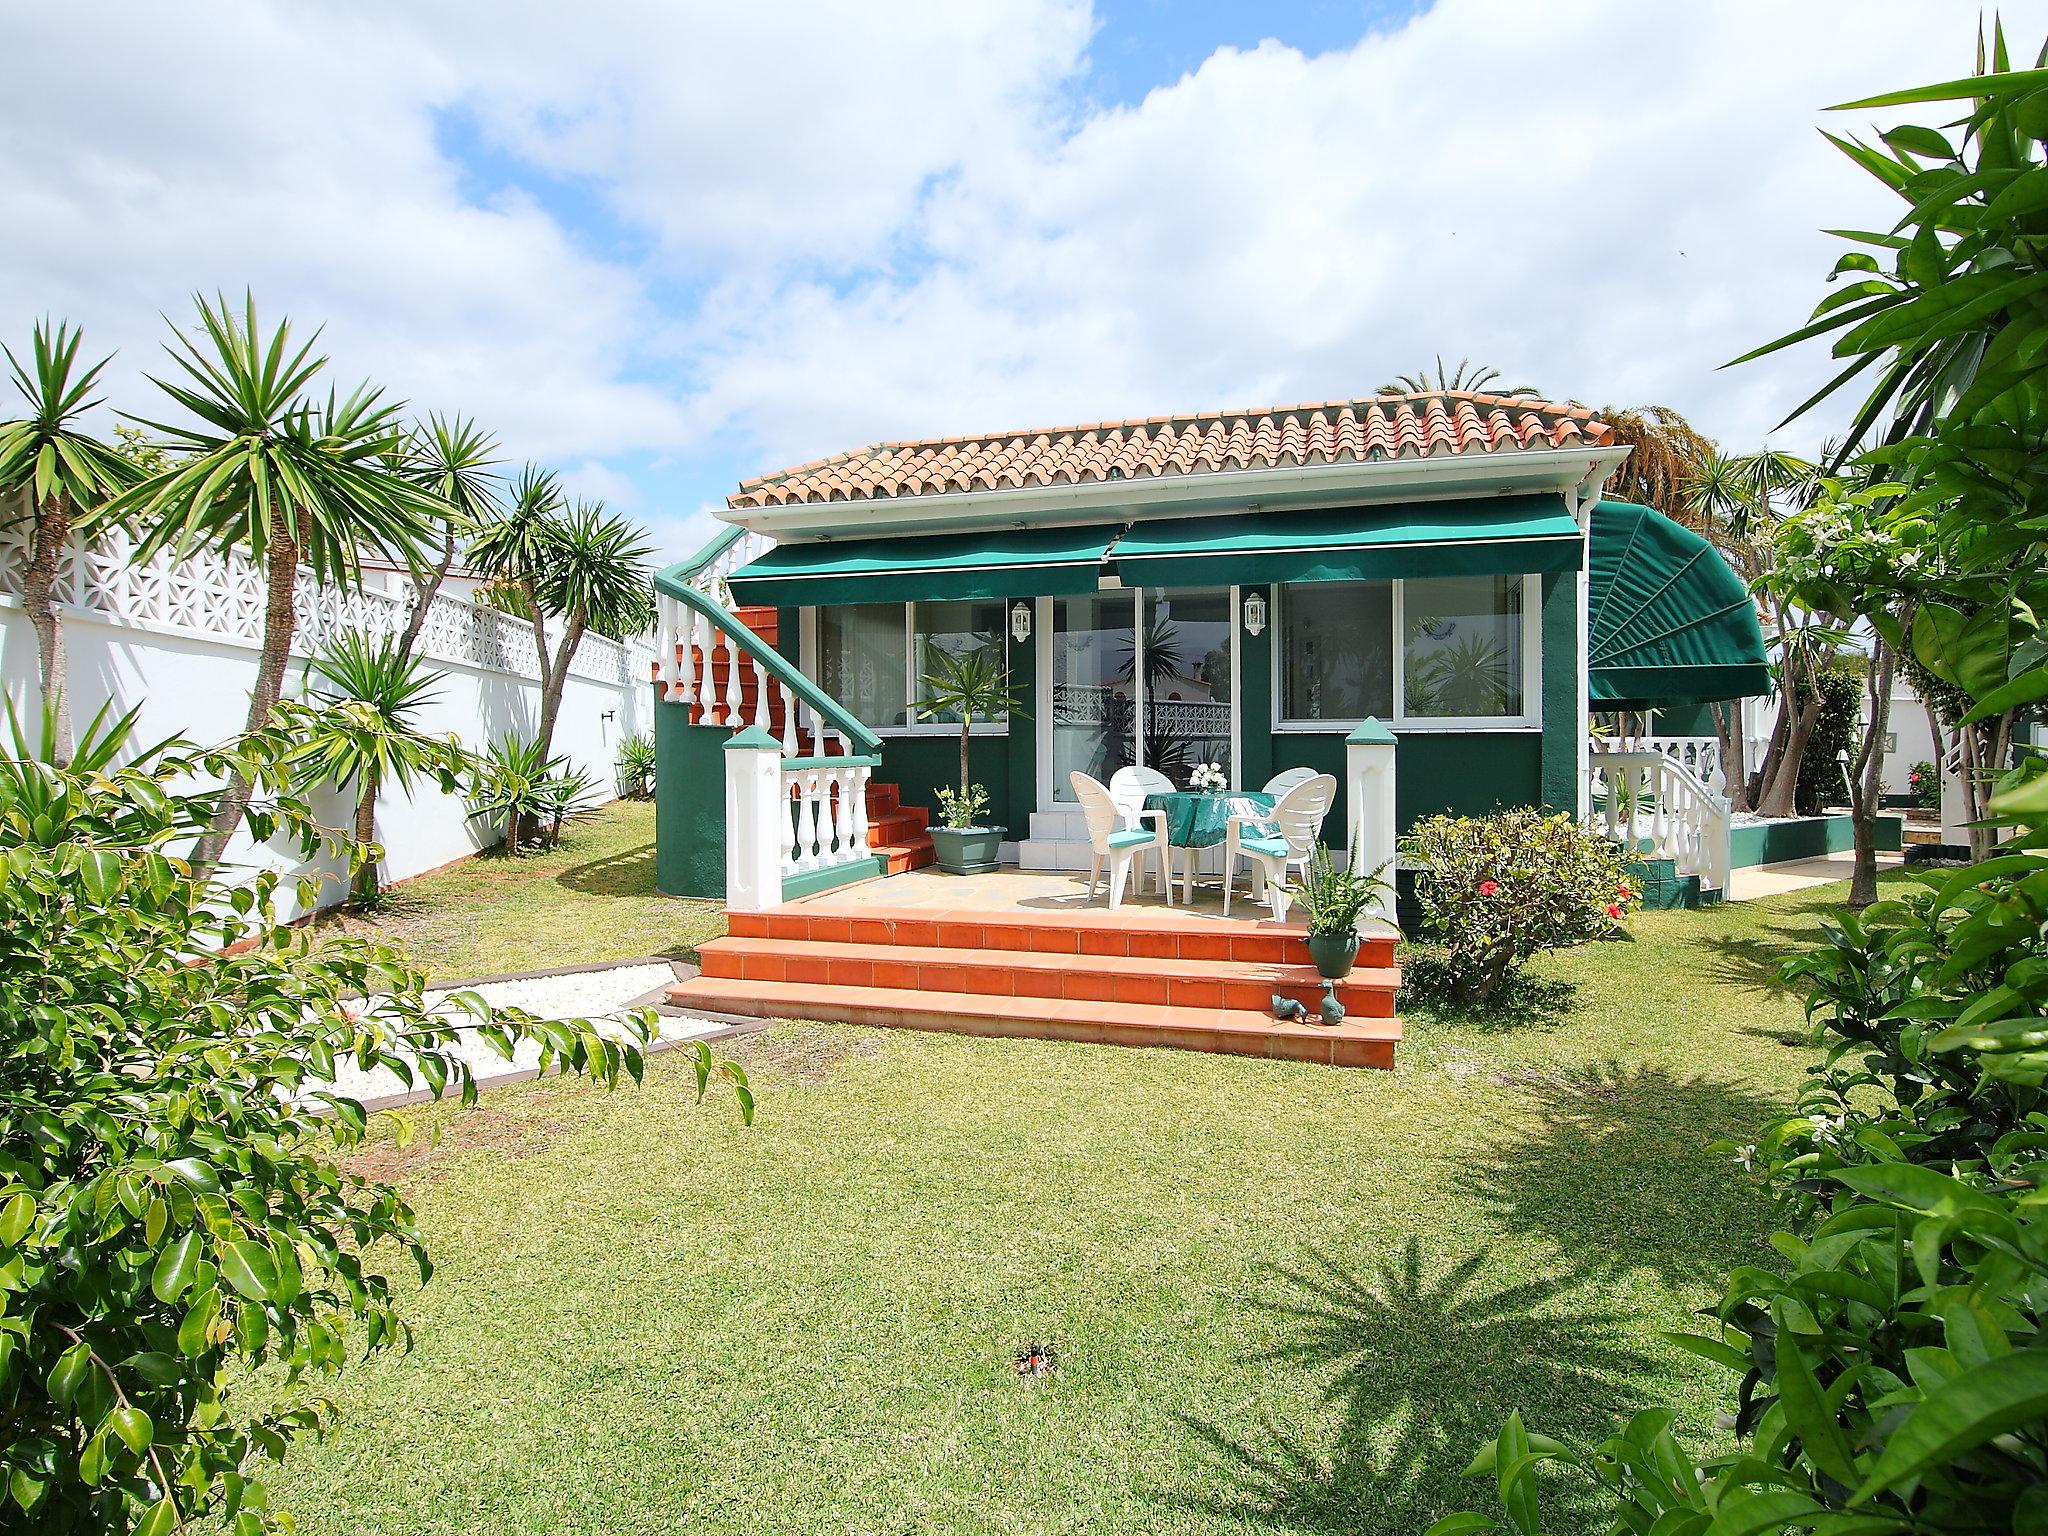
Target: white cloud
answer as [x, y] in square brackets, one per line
[757, 234]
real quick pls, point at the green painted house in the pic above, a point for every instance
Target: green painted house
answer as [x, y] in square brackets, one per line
[1240, 588]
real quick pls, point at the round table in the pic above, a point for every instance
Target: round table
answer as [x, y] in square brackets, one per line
[1196, 819]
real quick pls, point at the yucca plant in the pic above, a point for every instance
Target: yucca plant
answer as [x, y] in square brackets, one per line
[967, 685]
[636, 766]
[365, 735]
[518, 786]
[449, 458]
[53, 472]
[263, 471]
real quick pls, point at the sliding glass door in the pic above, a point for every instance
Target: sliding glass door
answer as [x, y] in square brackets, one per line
[1137, 678]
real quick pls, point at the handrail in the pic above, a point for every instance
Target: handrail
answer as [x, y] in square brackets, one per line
[673, 582]
[1649, 793]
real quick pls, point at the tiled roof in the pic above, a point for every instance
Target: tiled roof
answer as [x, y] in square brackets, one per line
[1275, 437]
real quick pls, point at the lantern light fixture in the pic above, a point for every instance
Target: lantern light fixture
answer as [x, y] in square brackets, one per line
[1020, 622]
[1255, 615]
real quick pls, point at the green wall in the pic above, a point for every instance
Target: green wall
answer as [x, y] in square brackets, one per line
[689, 805]
[1563, 725]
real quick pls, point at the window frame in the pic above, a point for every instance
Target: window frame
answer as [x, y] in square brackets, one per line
[1530, 719]
[811, 659]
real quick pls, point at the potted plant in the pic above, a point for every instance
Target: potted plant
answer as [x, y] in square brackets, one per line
[970, 685]
[1333, 900]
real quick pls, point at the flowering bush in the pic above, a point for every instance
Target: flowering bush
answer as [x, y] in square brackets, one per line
[1925, 782]
[1496, 889]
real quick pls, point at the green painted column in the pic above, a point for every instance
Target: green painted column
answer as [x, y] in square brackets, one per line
[689, 805]
[1020, 747]
[1255, 694]
[1562, 725]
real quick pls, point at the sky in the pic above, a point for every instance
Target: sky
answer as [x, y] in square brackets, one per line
[661, 247]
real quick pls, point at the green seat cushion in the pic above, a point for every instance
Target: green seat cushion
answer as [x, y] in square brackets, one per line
[1272, 847]
[1131, 839]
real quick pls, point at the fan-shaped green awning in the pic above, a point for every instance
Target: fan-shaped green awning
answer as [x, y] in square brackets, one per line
[1668, 622]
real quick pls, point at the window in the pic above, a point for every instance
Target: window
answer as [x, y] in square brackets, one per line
[862, 661]
[1463, 658]
[954, 629]
[1465, 653]
[872, 657]
[1337, 651]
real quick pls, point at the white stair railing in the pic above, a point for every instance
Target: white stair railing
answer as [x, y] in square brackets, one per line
[1654, 805]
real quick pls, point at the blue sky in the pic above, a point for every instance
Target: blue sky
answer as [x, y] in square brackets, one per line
[671, 245]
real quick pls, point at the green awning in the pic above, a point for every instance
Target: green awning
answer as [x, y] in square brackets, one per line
[1006, 562]
[1668, 622]
[1490, 536]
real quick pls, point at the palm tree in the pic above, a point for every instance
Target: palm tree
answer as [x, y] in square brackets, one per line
[262, 471]
[57, 472]
[594, 574]
[450, 458]
[1666, 452]
[365, 735]
[1468, 378]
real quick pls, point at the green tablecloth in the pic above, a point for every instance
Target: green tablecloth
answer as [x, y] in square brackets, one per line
[1198, 821]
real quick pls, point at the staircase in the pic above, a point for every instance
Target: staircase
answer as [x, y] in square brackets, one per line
[900, 833]
[1160, 978]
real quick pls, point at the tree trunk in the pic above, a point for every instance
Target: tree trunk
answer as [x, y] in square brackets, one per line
[1774, 749]
[1734, 771]
[557, 679]
[51, 530]
[423, 596]
[367, 885]
[1866, 779]
[1780, 790]
[280, 624]
[966, 732]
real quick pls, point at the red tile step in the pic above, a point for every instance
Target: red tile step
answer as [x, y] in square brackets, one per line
[1354, 1043]
[1154, 932]
[1142, 981]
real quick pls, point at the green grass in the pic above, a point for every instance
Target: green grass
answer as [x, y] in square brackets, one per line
[590, 899]
[1283, 1298]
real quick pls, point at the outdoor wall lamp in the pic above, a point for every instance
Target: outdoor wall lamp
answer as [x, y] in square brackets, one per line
[1020, 622]
[1255, 615]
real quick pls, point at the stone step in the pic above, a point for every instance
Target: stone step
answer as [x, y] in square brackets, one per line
[1156, 933]
[1366, 1042]
[1140, 981]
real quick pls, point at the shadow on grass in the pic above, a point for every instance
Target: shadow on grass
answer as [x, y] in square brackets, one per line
[1426, 1367]
[1611, 1168]
[1524, 1001]
[629, 874]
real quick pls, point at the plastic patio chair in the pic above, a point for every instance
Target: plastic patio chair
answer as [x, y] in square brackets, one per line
[1297, 820]
[1128, 787]
[1112, 842]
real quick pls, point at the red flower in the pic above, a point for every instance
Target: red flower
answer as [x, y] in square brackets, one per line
[1624, 893]
[1489, 887]
[1613, 910]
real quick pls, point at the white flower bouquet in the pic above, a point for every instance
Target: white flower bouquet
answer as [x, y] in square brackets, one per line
[1208, 779]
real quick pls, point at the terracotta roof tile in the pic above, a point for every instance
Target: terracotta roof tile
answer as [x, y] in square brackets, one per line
[1334, 432]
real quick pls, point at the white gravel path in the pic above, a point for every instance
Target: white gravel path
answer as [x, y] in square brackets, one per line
[595, 995]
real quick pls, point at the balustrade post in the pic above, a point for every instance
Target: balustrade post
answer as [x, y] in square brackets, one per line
[756, 822]
[1371, 829]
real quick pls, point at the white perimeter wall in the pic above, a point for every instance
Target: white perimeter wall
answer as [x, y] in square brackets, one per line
[181, 641]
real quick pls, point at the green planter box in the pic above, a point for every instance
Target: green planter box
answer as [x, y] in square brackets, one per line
[967, 850]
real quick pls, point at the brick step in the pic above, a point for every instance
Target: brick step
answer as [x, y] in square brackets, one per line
[1138, 981]
[1354, 1043]
[901, 858]
[883, 797]
[905, 824]
[1166, 933]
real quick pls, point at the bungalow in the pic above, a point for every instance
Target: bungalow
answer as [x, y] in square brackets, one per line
[1422, 595]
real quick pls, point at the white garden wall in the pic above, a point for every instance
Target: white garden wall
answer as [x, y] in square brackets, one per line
[181, 638]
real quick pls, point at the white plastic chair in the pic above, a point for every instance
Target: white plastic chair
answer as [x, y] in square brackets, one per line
[1286, 779]
[1297, 819]
[1128, 787]
[1111, 841]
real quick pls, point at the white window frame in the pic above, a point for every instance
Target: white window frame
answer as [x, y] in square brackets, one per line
[1531, 718]
[811, 659]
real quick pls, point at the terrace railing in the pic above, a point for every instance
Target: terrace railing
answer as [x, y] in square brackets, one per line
[1656, 806]
[798, 764]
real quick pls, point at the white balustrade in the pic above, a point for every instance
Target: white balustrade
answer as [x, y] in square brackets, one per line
[824, 815]
[1653, 804]
[223, 598]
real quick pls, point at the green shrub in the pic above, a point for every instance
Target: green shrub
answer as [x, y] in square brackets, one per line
[1924, 780]
[1497, 889]
[636, 766]
[524, 793]
[1820, 783]
[1890, 1373]
[183, 1263]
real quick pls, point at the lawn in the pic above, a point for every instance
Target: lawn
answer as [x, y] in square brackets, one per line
[1280, 1297]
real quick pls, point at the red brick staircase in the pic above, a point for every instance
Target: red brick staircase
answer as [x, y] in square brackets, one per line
[1155, 977]
[900, 833]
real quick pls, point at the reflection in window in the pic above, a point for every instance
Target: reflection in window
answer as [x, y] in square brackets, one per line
[1464, 647]
[1336, 651]
[956, 629]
